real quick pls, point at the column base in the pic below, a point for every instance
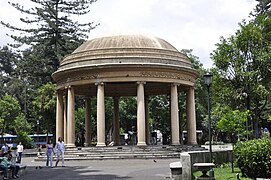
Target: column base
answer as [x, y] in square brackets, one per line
[175, 143]
[141, 144]
[192, 143]
[100, 145]
[70, 145]
[87, 144]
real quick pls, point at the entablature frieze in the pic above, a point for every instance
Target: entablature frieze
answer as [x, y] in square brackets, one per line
[169, 75]
[124, 76]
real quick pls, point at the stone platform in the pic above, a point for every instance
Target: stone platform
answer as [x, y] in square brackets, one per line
[123, 152]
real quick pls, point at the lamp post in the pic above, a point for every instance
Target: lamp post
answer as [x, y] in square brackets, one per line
[208, 81]
[38, 124]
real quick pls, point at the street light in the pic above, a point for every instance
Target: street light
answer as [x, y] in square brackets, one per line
[38, 125]
[208, 81]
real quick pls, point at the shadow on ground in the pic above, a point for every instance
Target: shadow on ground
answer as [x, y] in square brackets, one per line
[82, 173]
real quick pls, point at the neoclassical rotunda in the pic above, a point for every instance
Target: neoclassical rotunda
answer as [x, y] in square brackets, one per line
[121, 66]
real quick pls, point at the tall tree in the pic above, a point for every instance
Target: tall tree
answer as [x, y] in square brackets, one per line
[52, 33]
[8, 61]
[263, 6]
[243, 67]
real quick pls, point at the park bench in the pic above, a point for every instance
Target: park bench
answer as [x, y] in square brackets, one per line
[176, 170]
[184, 168]
[20, 172]
[204, 168]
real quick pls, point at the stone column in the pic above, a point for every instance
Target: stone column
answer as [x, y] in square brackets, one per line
[191, 117]
[88, 121]
[147, 119]
[116, 123]
[59, 115]
[100, 115]
[70, 118]
[141, 115]
[175, 134]
[65, 119]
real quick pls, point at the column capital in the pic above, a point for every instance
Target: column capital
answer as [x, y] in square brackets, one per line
[175, 84]
[141, 82]
[99, 83]
[68, 87]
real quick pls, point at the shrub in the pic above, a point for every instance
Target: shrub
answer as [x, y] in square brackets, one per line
[253, 157]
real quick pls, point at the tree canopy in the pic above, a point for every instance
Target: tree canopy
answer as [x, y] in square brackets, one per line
[243, 70]
[51, 29]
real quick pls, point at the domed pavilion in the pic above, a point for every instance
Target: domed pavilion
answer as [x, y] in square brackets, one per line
[121, 66]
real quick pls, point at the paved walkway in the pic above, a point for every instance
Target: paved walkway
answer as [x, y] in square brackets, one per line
[134, 169]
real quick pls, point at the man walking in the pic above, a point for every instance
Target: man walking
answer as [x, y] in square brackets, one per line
[60, 149]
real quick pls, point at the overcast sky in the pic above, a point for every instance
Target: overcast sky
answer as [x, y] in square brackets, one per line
[186, 24]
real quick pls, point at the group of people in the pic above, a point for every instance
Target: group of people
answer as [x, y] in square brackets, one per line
[6, 162]
[58, 150]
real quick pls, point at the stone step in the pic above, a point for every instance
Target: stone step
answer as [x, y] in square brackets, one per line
[123, 152]
[115, 152]
[106, 157]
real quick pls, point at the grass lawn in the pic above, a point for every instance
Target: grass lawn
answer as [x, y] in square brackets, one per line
[224, 173]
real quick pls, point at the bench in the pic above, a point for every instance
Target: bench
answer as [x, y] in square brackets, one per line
[204, 168]
[187, 159]
[176, 170]
[20, 172]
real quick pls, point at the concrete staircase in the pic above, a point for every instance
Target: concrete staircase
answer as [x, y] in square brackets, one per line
[124, 152]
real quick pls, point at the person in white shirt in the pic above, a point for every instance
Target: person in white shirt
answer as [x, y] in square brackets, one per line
[60, 149]
[20, 149]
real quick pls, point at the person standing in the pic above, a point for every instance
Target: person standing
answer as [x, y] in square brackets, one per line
[266, 133]
[82, 138]
[20, 149]
[4, 148]
[60, 149]
[49, 153]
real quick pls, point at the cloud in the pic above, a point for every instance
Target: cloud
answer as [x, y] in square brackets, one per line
[186, 24]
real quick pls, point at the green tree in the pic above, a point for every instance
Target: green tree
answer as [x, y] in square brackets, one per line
[127, 108]
[9, 111]
[8, 61]
[263, 7]
[22, 129]
[160, 114]
[242, 69]
[45, 105]
[231, 121]
[79, 119]
[51, 34]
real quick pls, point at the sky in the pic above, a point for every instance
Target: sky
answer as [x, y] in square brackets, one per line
[185, 24]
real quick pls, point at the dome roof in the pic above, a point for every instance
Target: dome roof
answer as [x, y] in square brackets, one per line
[122, 61]
[126, 41]
[125, 49]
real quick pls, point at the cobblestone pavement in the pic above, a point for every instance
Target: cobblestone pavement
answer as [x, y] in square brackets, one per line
[133, 169]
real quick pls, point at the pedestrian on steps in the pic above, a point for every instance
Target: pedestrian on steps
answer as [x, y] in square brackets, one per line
[49, 152]
[60, 149]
